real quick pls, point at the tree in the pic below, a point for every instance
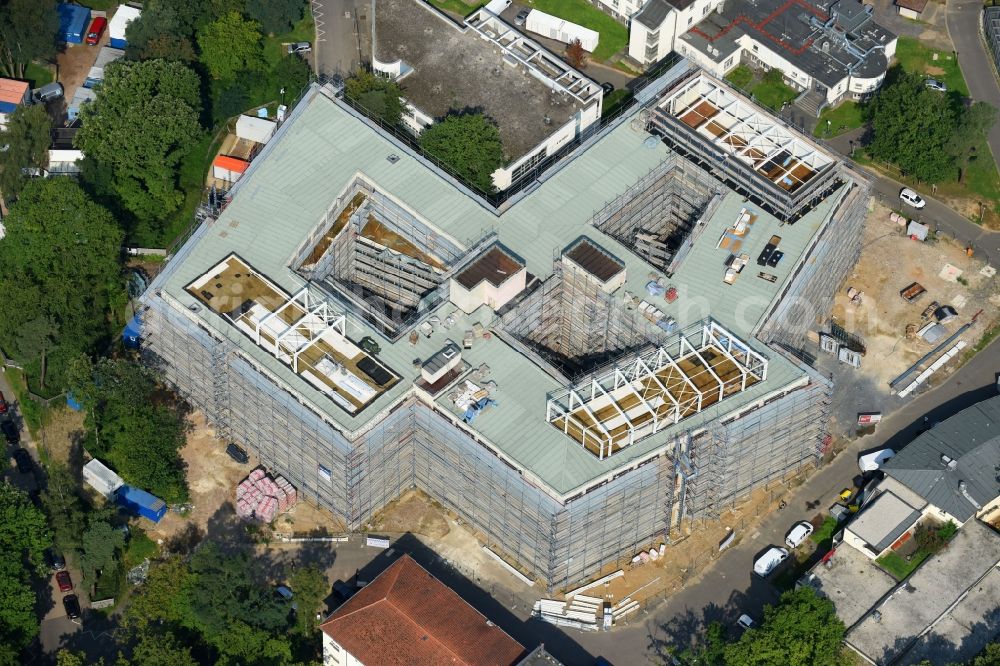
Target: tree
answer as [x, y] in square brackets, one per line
[469, 145]
[68, 658]
[52, 308]
[139, 435]
[160, 648]
[61, 503]
[101, 543]
[310, 586]
[18, 622]
[233, 610]
[141, 124]
[576, 55]
[970, 135]
[379, 96]
[275, 16]
[27, 140]
[229, 45]
[23, 538]
[911, 127]
[28, 31]
[802, 630]
[990, 656]
[163, 600]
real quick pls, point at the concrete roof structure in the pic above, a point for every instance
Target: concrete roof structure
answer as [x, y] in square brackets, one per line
[454, 68]
[408, 617]
[827, 39]
[325, 145]
[929, 596]
[954, 465]
[884, 520]
[851, 581]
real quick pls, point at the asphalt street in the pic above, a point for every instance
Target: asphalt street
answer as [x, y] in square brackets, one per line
[964, 20]
[341, 35]
[728, 589]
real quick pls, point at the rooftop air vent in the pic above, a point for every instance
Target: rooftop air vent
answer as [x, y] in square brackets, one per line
[393, 158]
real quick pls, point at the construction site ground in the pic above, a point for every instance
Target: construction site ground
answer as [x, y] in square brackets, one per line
[890, 262]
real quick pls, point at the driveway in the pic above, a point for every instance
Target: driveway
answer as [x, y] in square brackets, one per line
[964, 20]
[728, 589]
[343, 41]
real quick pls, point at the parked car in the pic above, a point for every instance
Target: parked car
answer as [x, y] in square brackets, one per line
[936, 85]
[769, 561]
[522, 17]
[55, 561]
[10, 432]
[285, 593]
[908, 196]
[342, 590]
[3, 404]
[238, 454]
[97, 27]
[72, 605]
[799, 533]
[870, 462]
[23, 461]
[745, 621]
[50, 92]
[299, 47]
[64, 581]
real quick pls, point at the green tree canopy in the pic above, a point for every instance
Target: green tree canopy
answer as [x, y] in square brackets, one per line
[23, 538]
[137, 432]
[18, 623]
[142, 123]
[101, 543]
[802, 630]
[970, 135]
[378, 95]
[58, 271]
[61, 502]
[310, 586]
[27, 140]
[911, 127]
[164, 599]
[469, 144]
[275, 16]
[230, 45]
[29, 31]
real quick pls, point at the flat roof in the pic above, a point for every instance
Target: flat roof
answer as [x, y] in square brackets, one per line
[884, 520]
[12, 91]
[454, 68]
[323, 147]
[851, 581]
[827, 39]
[928, 594]
[594, 259]
[495, 266]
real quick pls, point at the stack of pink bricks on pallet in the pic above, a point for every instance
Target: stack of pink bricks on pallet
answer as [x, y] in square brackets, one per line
[261, 497]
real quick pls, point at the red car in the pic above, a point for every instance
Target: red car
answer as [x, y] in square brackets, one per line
[64, 581]
[97, 27]
[3, 404]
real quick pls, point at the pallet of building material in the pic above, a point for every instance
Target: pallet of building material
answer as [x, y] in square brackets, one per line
[257, 474]
[625, 610]
[589, 600]
[595, 583]
[586, 608]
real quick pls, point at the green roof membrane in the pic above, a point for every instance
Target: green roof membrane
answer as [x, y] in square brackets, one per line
[323, 147]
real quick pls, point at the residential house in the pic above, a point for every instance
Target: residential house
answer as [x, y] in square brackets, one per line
[12, 95]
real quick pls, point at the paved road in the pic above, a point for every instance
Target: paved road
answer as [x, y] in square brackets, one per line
[728, 588]
[342, 38]
[964, 20]
[942, 218]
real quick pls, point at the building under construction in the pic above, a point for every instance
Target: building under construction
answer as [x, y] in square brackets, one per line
[576, 374]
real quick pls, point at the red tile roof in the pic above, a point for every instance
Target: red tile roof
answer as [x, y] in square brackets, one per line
[407, 616]
[12, 91]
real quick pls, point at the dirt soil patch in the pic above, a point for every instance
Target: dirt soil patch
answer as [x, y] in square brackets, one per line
[413, 512]
[63, 430]
[890, 261]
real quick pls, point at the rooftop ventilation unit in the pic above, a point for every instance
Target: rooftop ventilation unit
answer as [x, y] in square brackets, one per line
[393, 158]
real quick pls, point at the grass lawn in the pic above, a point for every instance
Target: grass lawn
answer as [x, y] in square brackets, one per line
[773, 94]
[615, 100]
[458, 7]
[919, 59]
[844, 117]
[614, 36]
[741, 77]
[38, 74]
[898, 567]
[140, 547]
[303, 31]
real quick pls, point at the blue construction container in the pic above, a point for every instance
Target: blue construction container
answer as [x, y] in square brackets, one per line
[141, 503]
[73, 23]
[130, 336]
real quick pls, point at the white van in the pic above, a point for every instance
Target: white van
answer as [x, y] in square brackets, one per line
[769, 561]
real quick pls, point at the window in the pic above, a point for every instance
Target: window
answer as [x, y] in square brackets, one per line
[690, 20]
[729, 61]
[528, 165]
[325, 474]
[755, 48]
[705, 11]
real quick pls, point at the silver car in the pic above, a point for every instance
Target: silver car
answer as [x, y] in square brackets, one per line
[522, 17]
[936, 85]
[299, 47]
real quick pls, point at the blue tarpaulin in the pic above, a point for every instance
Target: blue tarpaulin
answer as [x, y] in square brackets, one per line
[72, 403]
[73, 22]
[130, 336]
